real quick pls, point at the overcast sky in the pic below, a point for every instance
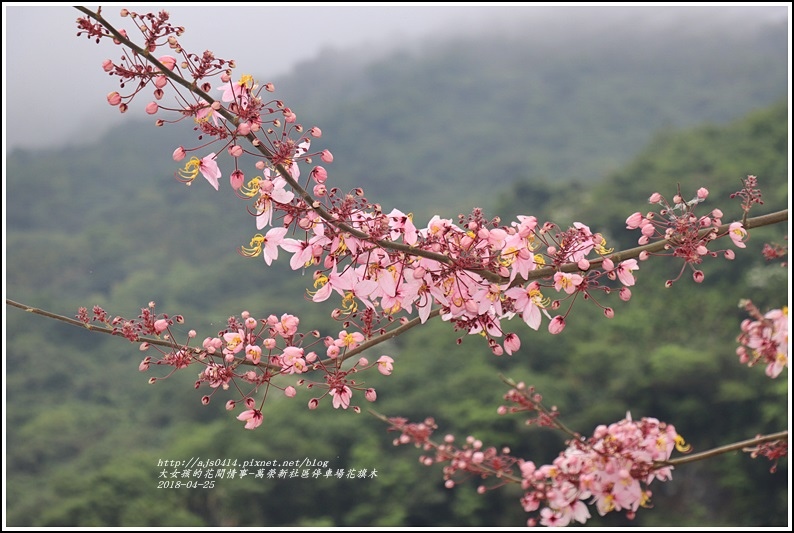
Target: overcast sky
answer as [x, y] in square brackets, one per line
[40, 47]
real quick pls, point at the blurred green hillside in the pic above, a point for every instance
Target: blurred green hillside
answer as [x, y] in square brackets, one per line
[565, 133]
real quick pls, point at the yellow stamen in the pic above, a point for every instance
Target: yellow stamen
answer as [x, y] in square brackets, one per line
[349, 303]
[191, 170]
[246, 81]
[252, 188]
[255, 246]
[681, 445]
[601, 248]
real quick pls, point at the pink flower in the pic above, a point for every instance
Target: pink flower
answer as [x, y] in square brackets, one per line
[567, 282]
[253, 418]
[271, 241]
[207, 166]
[152, 107]
[624, 271]
[341, 397]
[349, 340]
[253, 353]
[385, 365]
[237, 91]
[271, 191]
[234, 341]
[737, 234]
[168, 62]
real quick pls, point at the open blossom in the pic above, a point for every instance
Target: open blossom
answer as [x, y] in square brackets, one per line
[237, 91]
[341, 397]
[266, 244]
[624, 271]
[737, 234]
[253, 418]
[207, 166]
[349, 340]
[765, 340]
[567, 282]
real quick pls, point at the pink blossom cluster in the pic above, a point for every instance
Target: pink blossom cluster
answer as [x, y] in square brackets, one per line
[249, 353]
[764, 339]
[610, 470]
[475, 273]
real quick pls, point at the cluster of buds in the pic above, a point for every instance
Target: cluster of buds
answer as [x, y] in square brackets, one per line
[685, 234]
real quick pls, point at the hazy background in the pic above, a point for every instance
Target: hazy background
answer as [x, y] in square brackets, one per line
[54, 86]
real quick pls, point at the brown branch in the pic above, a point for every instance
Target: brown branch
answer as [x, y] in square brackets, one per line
[782, 435]
[98, 329]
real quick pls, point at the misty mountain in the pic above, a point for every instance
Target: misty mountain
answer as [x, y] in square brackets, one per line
[460, 117]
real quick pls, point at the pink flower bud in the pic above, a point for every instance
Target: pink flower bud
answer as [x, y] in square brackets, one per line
[703, 193]
[634, 220]
[160, 82]
[655, 198]
[107, 65]
[269, 87]
[230, 405]
[319, 174]
[244, 128]
[290, 392]
[327, 156]
[235, 150]
[160, 325]
[315, 132]
[152, 108]
[179, 154]
[319, 190]
[371, 395]
[236, 179]
[114, 98]
[556, 325]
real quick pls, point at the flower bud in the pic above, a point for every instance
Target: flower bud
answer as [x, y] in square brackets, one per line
[114, 98]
